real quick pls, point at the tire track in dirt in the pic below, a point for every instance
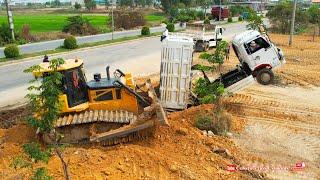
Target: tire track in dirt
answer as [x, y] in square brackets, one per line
[280, 129]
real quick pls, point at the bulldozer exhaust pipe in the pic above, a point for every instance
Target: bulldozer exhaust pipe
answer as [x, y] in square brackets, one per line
[108, 72]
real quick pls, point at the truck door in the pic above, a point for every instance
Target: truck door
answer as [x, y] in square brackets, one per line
[261, 52]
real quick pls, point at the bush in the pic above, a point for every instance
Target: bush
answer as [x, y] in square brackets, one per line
[34, 151]
[128, 19]
[41, 174]
[145, 31]
[170, 27]
[206, 21]
[229, 19]
[240, 18]
[11, 51]
[78, 25]
[219, 122]
[70, 43]
[5, 34]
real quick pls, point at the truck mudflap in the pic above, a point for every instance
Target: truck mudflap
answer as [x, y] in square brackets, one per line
[235, 80]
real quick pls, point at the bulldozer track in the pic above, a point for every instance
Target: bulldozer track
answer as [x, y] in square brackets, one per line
[123, 117]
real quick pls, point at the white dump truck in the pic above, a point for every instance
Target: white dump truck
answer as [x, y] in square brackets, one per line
[258, 58]
[204, 36]
[257, 55]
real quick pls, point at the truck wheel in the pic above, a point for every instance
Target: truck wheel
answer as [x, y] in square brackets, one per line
[265, 76]
[200, 47]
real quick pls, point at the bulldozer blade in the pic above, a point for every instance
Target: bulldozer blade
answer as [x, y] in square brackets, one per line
[122, 132]
[161, 115]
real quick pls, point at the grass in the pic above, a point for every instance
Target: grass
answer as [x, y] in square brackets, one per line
[61, 49]
[53, 22]
[46, 22]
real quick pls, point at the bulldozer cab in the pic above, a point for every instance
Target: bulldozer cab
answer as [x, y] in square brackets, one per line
[74, 87]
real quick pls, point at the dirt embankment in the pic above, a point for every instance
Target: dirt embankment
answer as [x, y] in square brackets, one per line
[178, 151]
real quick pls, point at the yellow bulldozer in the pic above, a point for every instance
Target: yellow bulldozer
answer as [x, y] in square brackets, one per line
[109, 110]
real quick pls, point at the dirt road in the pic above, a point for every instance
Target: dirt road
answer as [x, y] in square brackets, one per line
[283, 124]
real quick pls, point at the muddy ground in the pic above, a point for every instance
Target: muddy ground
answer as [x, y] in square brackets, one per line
[273, 126]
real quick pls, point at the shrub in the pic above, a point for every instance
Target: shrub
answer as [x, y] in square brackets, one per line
[145, 31]
[240, 18]
[19, 162]
[77, 6]
[78, 25]
[200, 15]
[229, 19]
[206, 21]
[219, 122]
[34, 151]
[41, 174]
[70, 43]
[5, 34]
[170, 27]
[11, 51]
[128, 19]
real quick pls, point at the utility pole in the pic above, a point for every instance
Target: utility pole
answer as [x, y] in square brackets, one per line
[219, 10]
[10, 19]
[112, 19]
[292, 21]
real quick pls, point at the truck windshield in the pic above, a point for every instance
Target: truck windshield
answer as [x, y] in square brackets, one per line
[256, 45]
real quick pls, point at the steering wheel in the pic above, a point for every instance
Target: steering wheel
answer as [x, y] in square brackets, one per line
[118, 73]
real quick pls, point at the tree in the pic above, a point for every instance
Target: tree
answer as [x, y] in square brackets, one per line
[56, 3]
[77, 6]
[255, 22]
[78, 25]
[280, 17]
[90, 4]
[44, 99]
[314, 18]
[206, 91]
[45, 105]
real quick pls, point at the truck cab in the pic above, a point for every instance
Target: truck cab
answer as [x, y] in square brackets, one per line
[257, 55]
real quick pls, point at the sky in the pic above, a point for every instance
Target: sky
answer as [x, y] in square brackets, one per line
[36, 1]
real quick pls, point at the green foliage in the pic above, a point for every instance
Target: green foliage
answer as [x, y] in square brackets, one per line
[145, 31]
[44, 98]
[314, 14]
[238, 10]
[218, 56]
[280, 17]
[203, 122]
[255, 22]
[229, 19]
[219, 122]
[11, 51]
[170, 27]
[77, 6]
[41, 174]
[70, 42]
[19, 162]
[90, 4]
[206, 21]
[35, 153]
[240, 18]
[5, 34]
[207, 92]
[78, 25]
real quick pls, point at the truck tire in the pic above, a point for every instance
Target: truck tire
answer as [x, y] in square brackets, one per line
[200, 46]
[265, 76]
